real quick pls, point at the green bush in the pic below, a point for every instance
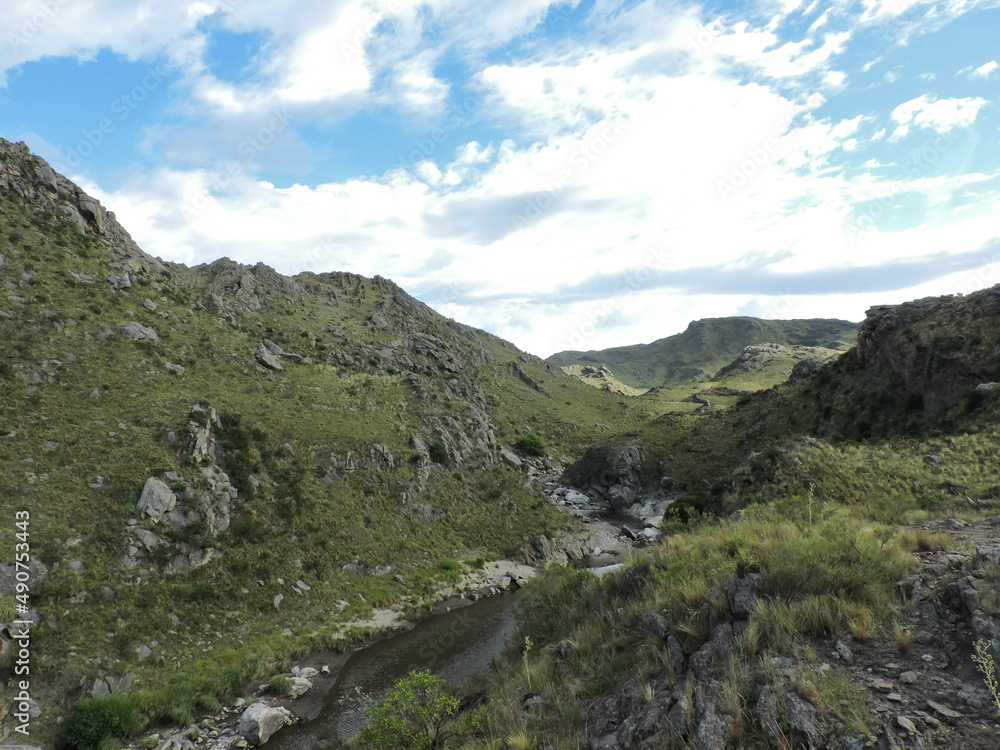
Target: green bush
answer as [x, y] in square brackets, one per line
[438, 452]
[418, 713]
[530, 444]
[100, 723]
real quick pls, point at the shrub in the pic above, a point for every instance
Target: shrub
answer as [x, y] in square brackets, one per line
[97, 723]
[530, 444]
[438, 452]
[418, 713]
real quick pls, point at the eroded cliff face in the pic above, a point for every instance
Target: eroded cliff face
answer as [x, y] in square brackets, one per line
[936, 348]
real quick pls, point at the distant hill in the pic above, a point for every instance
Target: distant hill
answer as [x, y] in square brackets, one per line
[707, 346]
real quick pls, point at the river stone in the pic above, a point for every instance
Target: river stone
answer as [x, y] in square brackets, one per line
[299, 686]
[157, 499]
[259, 722]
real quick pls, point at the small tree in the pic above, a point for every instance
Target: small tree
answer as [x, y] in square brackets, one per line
[530, 444]
[416, 715]
[438, 452]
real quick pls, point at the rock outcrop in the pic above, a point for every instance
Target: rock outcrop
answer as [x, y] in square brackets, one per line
[934, 348]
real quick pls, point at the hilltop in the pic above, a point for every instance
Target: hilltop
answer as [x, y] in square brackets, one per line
[705, 347]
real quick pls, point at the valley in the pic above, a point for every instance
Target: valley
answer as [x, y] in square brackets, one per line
[231, 473]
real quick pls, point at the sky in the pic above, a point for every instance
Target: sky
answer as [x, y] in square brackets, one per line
[567, 175]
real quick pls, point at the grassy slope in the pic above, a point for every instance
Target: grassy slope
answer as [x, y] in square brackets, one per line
[298, 524]
[707, 346]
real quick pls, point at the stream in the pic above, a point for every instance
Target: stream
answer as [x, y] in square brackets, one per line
[453, 645]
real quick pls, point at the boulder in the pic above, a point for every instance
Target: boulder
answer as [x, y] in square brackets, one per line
[299, 686]
[157, 499]
[510, 458]
[268, 359]
[138, 332]
[259, 722]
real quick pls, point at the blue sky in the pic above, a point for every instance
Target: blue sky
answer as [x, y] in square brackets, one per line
[576, 175]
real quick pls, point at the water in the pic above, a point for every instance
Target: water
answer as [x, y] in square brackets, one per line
[452, 645]
[616, 518]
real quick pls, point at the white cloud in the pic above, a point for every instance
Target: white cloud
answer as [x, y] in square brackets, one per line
[666, 141]
[943, 115]
[986, 69]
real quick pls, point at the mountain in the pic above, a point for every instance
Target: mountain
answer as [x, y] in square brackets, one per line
[213, 455]
[705, 347]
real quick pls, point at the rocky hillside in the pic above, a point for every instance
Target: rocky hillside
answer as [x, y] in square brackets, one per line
[829, 577]
[222, 462]
[706, 347]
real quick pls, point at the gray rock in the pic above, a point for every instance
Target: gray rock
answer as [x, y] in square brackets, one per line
[676, 653]
[278, 599]
[149, 304]
[906, 724]
[259, 722]
[543, 546]
[176, 369]
[100, 688]
[143, 651]
[149, 540]
[805, 725]
[712, 730]
[50, 445]
[300, 686]
[943, 711]
[844, 652]
[655, 623]
[157, 499]
[138, 332]
[268, 360]
[767, 714]
[744, 596]
[276, 350]
[510, 458]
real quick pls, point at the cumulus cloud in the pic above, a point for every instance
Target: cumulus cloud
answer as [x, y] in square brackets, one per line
[669, 160]
[943, 115]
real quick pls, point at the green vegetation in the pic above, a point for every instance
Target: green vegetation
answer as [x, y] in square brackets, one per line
[417, 714]
[530, 444]
[833, 577]
[103, 723]
[279, 685]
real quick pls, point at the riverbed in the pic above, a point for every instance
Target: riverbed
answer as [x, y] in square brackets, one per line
[453, 645]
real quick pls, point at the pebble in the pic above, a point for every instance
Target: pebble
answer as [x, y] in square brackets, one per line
[908, 678]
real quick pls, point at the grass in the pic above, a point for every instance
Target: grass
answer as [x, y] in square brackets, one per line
[827, 579]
